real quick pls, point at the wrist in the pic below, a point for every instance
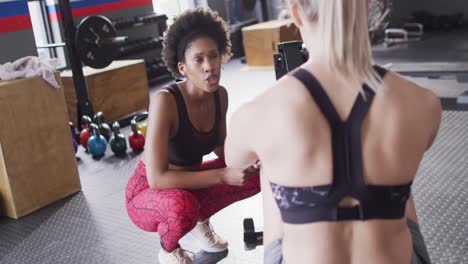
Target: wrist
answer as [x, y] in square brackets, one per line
[221, 174]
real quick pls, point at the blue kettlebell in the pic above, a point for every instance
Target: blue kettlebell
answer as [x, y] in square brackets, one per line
[97, 144]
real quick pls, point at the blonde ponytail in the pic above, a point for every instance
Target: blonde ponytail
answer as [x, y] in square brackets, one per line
[343, 27]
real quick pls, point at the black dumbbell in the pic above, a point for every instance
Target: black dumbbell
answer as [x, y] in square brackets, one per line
[252, 239]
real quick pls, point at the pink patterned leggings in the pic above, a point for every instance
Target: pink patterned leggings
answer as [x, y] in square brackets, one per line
[174, 212]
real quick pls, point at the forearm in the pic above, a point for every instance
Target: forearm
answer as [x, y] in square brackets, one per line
[175, 179]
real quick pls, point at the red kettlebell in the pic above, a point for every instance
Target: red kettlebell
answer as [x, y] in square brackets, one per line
[85, 133]
[136, 138]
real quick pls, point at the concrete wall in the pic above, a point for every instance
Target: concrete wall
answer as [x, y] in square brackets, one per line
[17, 44]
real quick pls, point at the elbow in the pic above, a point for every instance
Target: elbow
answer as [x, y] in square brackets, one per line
[157, 186]
[156, 182]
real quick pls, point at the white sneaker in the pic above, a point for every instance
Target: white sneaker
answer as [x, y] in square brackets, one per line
[208, 240]
[178, 256]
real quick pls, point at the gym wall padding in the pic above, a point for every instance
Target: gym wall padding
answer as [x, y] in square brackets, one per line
[93, 7]
[16, 34]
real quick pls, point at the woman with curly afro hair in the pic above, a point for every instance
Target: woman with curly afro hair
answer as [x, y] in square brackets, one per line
[173, 191]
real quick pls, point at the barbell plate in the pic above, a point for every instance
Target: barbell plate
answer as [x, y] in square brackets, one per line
[92, 41]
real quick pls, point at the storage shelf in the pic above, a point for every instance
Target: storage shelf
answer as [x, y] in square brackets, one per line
[145, 34]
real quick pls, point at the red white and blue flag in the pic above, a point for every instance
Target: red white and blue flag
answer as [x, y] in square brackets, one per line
[14, 14]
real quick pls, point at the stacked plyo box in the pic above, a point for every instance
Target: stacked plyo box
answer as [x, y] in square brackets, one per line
[261, 40]
[37, 159]
[117, 90]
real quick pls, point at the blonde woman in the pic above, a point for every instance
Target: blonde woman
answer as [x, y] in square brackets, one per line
[340, 141]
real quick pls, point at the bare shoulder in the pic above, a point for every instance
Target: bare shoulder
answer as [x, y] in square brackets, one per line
[162, 96]
[284, 97]
[163, 102]
[406, 91]
[279, 102]
[243, 115]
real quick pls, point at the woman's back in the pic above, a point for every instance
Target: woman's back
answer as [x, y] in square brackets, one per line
[396, 131]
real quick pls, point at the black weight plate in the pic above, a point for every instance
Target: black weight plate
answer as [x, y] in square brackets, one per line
[91, 51]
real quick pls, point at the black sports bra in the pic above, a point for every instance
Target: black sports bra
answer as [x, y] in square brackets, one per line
[321, 203]
[189, 145]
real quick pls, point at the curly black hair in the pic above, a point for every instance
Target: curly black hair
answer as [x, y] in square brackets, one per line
[191, 24]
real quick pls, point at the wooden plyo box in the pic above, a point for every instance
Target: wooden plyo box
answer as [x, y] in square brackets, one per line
[37, 159]
[261, 40]
[118, 90]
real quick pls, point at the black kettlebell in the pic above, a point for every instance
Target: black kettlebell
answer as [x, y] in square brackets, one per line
[118, 143]
[104, 128]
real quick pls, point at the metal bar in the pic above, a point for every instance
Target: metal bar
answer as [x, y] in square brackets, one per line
[47, 28]
[84, 106]
[116, 40]
[49, 46]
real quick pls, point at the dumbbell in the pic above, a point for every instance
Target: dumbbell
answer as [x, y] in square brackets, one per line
[415, 30]
[252, 239]
[395, 35]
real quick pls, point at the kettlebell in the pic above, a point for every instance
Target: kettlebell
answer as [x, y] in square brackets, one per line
[118, 143]
[141, 126]
[97, 144]
[136, 138]
[85, 133]
[74, 136]
[103, 126]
